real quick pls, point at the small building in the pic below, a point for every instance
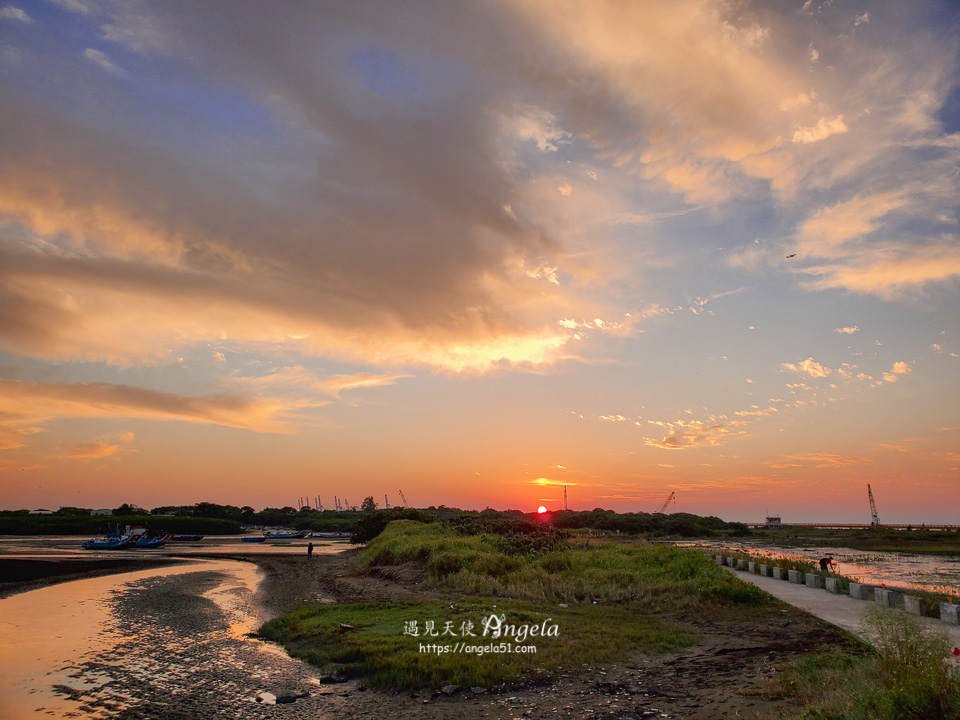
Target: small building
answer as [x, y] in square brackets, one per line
[41, 511]
[102, 511]
[773, 521]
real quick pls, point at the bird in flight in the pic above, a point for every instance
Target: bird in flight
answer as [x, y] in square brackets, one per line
[790, 256]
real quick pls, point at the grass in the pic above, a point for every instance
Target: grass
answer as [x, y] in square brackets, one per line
[906, 678]
[603, 600]
[376, 648]
[608, 573]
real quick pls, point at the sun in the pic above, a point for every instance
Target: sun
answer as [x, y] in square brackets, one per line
[541, 509]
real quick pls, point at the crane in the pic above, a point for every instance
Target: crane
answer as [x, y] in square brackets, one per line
[873, 507]
[403, 497]
[564, 497]
[670, 498]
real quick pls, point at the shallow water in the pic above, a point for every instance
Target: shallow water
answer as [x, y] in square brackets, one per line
[932, 573]
[168, 642]
[68, 546]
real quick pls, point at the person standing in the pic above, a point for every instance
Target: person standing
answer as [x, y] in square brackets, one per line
[309, 550]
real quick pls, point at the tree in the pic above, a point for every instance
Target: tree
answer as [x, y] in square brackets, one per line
[368, 504]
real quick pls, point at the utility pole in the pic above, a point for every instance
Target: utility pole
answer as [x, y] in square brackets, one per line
[564, 497]
[386, 503]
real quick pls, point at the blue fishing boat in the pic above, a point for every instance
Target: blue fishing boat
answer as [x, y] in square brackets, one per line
[253, 538]
[144, 541]
[106, 543]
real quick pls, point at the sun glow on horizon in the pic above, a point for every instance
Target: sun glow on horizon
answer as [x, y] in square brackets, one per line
[541, 510]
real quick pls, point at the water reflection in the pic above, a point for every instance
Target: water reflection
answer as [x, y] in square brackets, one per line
[95, 648]
[932, 573]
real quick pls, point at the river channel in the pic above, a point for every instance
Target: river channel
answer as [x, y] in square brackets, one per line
[168, 642]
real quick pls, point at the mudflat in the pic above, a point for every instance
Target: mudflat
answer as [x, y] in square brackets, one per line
[729, 671]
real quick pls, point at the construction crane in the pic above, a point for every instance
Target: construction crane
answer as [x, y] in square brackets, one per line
[873, 507]
[564, 497]
[670, 498]
[404, 498]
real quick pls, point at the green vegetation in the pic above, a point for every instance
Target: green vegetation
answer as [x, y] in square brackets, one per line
[478, 565]
[376, 648]
[600, 597]
[906, 678]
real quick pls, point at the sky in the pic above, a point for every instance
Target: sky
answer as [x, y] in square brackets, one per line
[252, 252]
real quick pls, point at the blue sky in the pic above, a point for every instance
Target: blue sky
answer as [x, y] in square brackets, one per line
[253, 252]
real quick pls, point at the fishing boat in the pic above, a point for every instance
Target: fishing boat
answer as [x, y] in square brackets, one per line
[186, 538]
[284, 535]
[144, 541]
[253, 538]
[107, 543]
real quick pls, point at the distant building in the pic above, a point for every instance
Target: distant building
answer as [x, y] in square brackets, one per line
[773, 521]
[41, 511]
[102, 511]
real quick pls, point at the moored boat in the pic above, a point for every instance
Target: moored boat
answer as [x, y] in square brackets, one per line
[144, 541]
[186, 538]
[106, 543]
[285, 535]
[253, 538]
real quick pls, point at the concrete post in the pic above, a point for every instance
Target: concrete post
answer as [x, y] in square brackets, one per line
[779, 574]
[765, 570]
[911, 603]
[885, 598]
[741, 564]
[720, 559]
[950, 613]
[859, 591]
[813, 580]
[795, 576]
[832, 585]
[751, 567]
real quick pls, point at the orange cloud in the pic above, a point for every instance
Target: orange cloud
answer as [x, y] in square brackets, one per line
[689, 434]
[24, 407]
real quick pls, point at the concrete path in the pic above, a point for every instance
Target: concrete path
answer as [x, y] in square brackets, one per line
[841, 610]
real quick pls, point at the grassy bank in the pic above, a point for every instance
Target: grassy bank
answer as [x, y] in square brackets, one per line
[479, 565]
[375, 647]
[606, 601]
[906, 679]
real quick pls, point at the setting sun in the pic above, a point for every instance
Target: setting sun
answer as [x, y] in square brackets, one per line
[541, 509]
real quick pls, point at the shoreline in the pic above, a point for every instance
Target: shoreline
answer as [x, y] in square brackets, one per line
[730, 669]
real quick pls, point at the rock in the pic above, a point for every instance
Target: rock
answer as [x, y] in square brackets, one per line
[289, 697]
[333, 678]
[478, 690]
[449, 689]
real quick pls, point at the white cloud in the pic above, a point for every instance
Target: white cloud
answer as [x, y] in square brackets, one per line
[12, 12]
[847, 330]
[103, 60]
[823, 129]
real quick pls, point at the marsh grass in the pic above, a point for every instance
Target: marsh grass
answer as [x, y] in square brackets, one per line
[376, 648]
[906, 678]
[476, 565]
